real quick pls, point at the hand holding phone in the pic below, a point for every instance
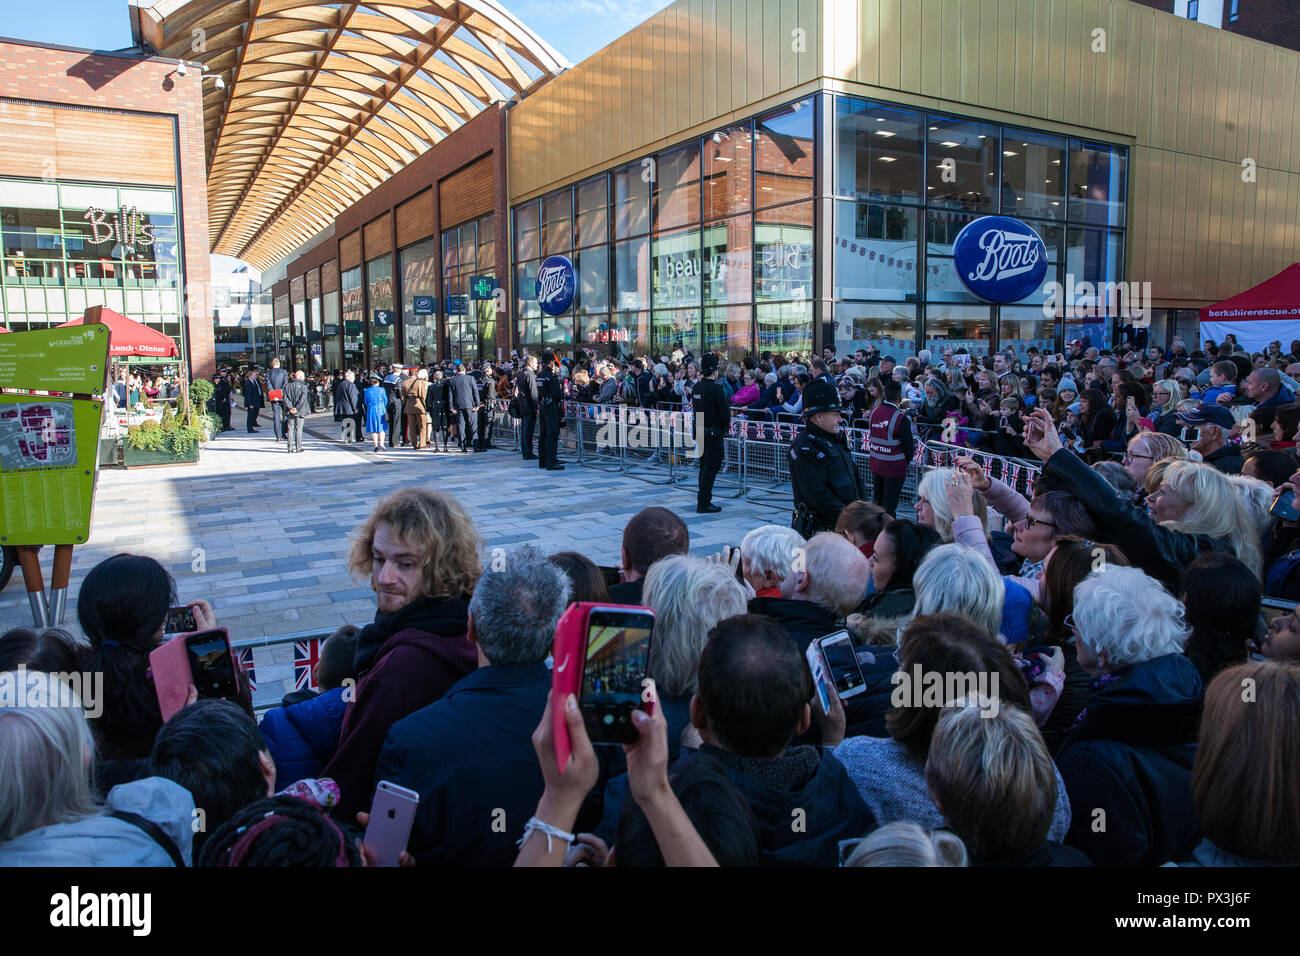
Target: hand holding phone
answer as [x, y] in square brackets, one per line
[179, 620]
[388, 830]
[842, 664]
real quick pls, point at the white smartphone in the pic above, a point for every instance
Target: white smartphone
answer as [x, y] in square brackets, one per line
[817, 665]
[392, 814]
[842, 663]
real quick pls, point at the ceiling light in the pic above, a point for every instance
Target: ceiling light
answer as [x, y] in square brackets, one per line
[933, 128]
[1056, 162]
[884, 132]
[982, 136]
[887, 159]
[1055, 203]
[949, 143]
[1009, 152]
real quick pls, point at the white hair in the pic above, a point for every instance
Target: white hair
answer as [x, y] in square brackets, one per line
[422, 373]
[837, 573]
[771, 548]
[1258, 496]
[903, 843]
[350, 376]
[931, 488]
[1215, 509]
[661, 369]
[1128, 615]
[953, 577]
[689, 596]
[43, 755]
[769, 378]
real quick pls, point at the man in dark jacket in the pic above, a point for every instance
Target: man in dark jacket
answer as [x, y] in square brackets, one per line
[1127, 762]
[395, 383]
[528, 406]
[550, 397]
[824, 586]
[651, 534]
[822, 475]
[297, 404]
[276, 379]
[710, 403]
[752, 702]
[415, 648]
[465, 402]
[254, 399]
[221, 397]
[470, 755]
[347, 406]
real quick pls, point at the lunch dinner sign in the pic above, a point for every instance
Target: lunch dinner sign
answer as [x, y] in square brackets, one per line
[1000, 259]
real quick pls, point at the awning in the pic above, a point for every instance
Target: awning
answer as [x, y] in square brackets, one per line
[128, 337]
[1267, 312]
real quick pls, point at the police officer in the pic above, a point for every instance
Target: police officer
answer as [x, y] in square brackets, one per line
[550, 393]
[710, 402]
[821, 468]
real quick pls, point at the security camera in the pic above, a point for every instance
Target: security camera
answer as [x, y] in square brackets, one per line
[220, 84]
[180, 69]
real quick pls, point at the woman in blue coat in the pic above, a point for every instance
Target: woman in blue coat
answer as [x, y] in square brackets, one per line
[375, 405]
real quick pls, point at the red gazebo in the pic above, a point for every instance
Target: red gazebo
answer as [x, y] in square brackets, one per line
[126, 337]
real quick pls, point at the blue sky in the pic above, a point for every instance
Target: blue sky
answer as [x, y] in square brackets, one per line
[577, 28]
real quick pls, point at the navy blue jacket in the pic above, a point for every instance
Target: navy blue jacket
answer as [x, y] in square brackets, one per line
[470, 757]
[1131, 756]
[303, 737]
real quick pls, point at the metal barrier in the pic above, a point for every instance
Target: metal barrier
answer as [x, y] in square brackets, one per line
[279, 665]
[659, 446]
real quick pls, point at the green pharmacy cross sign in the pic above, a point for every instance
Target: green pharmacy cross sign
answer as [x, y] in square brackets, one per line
[482, 287]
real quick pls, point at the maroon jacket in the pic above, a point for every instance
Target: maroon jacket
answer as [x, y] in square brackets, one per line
[412, 670]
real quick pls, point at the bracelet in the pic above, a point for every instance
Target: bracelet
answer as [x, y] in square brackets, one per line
[550, 831]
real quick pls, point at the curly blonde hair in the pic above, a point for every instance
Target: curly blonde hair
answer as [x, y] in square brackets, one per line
[435, 525]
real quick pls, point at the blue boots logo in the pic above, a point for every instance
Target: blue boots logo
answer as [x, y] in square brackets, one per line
[1000, 259]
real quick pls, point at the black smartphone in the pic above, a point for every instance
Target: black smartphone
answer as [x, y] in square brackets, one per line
[1284, 507]
[180, 620]
[1191, 435]
[211, 664]
[614, 672]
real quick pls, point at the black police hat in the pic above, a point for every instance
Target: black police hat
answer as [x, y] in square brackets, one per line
[820, 396]
[709, 363]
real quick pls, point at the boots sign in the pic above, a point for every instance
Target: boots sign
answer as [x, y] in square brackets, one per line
[1000, 259]
[556, 285]
[128, 227]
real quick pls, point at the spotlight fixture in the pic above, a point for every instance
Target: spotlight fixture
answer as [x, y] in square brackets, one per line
[180, 69]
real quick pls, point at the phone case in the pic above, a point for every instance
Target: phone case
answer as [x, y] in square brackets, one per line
[171, 675]
[392, 815]
[818, 668]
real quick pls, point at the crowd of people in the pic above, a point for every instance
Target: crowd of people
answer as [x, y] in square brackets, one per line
[1103, 671]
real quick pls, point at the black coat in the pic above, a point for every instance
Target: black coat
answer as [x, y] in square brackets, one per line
[804, 620]
[464, 392]
[1159, 551]
[711, 401]
[276, 378]
[254, 397]
[822, 474]
[297, 397]
[346, 399]
[437, 404]
[1131, 756]
[527, 382]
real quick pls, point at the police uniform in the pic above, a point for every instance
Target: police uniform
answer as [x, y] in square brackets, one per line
[550, 394]
[710, 402]
[821, 468]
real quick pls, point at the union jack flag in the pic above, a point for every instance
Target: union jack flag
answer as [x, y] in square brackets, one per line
[305, 656]
[245, 655]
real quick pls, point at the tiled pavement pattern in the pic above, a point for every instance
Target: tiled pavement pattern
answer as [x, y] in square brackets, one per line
[272, 529]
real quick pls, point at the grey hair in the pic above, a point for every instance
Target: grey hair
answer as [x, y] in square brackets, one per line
[1258, 496]
[422, 373]
[661, 369]
[957, 578]
[770, 378]
[1128, 615]
[903, 843]
[771, 548]
[837, 573]
[43, 757]
[516, 608]
[689, 596]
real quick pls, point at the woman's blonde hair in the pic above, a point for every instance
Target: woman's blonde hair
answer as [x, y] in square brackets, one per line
[432, 524]
[1161, 446]
[931, 488]
[1214, 509]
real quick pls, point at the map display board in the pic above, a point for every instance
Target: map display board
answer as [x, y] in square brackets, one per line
[49, 450]
[72, 359]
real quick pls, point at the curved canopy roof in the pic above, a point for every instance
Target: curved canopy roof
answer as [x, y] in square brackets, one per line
[325, 101]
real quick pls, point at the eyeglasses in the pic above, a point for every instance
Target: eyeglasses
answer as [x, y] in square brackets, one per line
[1069, 622]
[1129, 456]
[1030, 521]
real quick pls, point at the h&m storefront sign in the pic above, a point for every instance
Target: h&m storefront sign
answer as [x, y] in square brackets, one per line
[1000, 259]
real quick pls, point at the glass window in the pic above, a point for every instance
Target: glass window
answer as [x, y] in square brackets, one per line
[879, 152]
[632, 275]
[673, 329]
[1033, 183]
[677, 187]
[525, 288]
[677, 269]
[487, 245]
[527, 231]
[557, 223]
[963, 164]
[785, 326]
[783, 253]
[888, 326]
[1094, 255]
[875, 251]
[419, 277]
[729, 331]
[1020, 327]
[629, 334]
[29, 236]
[354, 306]
[728, 176]
[957, 326]
[593, 280]
[729, 261]
[783, 154]
[1098, 187]
[632, 199]
[593, 212]
[379, 277]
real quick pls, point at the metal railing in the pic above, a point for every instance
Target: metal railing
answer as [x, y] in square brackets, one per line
[278, 665]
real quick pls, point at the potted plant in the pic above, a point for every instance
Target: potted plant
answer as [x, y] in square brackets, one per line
[174, 440]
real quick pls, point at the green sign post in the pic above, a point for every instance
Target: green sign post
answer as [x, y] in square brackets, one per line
[49, 450]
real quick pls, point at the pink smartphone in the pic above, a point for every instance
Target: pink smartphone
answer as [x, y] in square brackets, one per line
[170, 663]
[392, 814]
[204, 659]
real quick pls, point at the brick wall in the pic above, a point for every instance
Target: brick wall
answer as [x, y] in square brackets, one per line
[110, 82]
[1272, 21]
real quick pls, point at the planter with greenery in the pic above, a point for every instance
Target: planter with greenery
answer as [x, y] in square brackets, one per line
[174, 440]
